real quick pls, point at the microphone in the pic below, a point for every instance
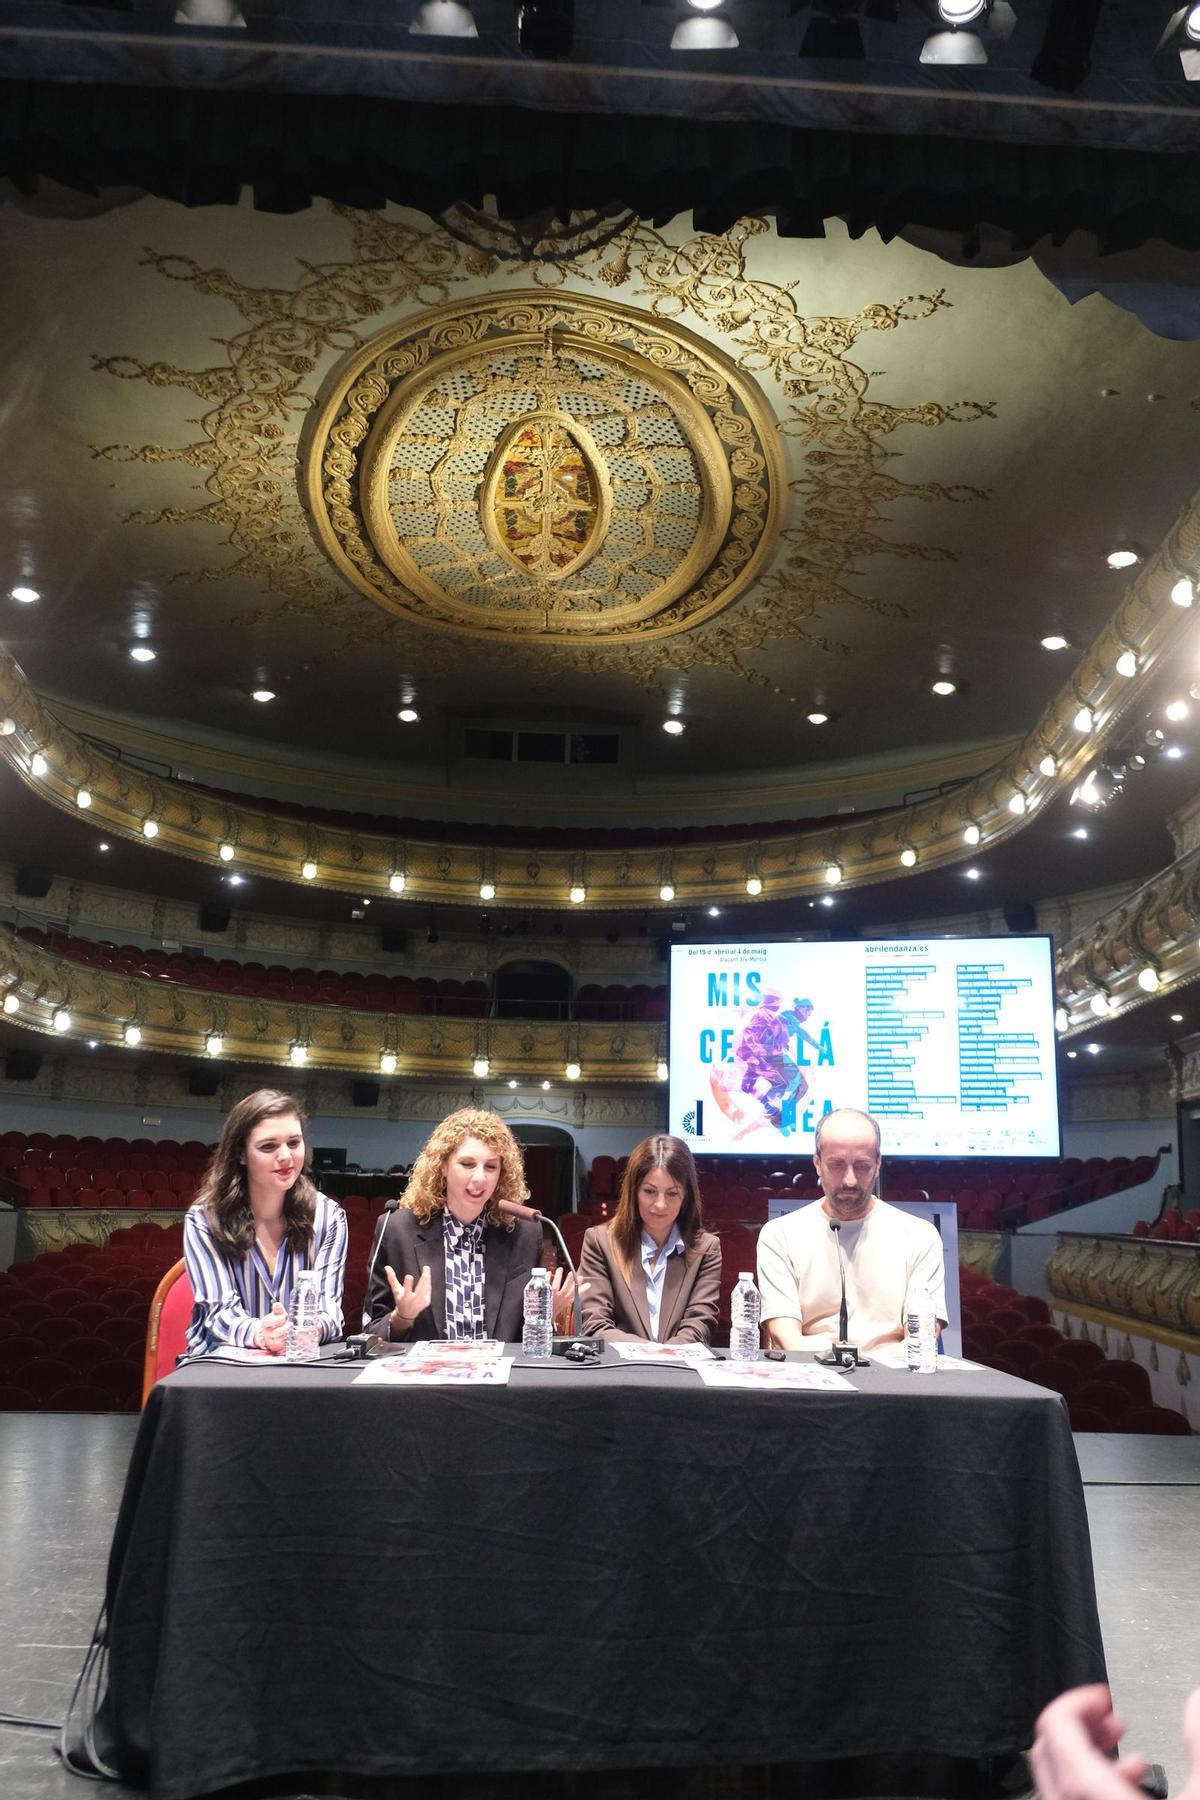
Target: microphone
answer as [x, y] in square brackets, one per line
[389, 1207]
[578, 1348]
[843, 1355]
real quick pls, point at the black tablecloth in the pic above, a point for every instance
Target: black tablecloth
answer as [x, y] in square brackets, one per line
[588, 1569]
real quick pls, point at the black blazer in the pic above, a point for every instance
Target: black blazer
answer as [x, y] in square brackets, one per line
[408, 1245]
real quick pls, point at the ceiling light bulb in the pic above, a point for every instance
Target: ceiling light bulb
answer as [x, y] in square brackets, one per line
[971, 874]
[443, 18]
[512, 1081]
[1084, 720]
[1092, 1049]
[577, 896]
[661, 1071]
[673, 727]
[1061, 1019]
[754, 884]
[704, 34]
[1177, 1018]
[262, 695]
[234, 880]
[960, 12]
[408, 715]
[971, 834]
[102, 846]
[226, 852]
[944, 686]
[396, 883]
[1192, 24]
[714, 912]
[827, 900]
[150, 828]
[387, 1062]
[1122, 559]
[1055, 641]
[1099, 1005]
[1072, 1054]
[1048, 766]
[62, 1020]
[1080, 831]
[572, 1071]
[545, 1087]
[38, 764]
[143, 653]
[7, 727]
[818, 718]
[297, 1055]
[666, 891]
[1183, 593]
[1177, 711]
[1173, 752]
[833, 873]
[83, 799]
[487, 890]
[1017, 803]
[133, 1035]
[214, 1044]
[26, 595]
[1148, 980]
[481, 1067]
[309, 871]
[1126, 663]
[908, 858]
[11, 1003]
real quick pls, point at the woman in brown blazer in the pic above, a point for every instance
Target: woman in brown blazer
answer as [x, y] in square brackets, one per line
[653, 1271]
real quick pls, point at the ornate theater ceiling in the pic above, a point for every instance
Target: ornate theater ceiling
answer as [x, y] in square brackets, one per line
[363, 458]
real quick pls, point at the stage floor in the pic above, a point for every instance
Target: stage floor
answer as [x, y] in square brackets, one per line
[60, 1483]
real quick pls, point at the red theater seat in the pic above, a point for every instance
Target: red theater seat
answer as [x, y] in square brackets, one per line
[166, 1331]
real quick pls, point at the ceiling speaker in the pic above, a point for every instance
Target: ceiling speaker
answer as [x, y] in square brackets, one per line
[215, 915]
[366, 1093]
[203, 1081]
[395, 942]
[1020, 915]
[34, 883]
[21, 1065]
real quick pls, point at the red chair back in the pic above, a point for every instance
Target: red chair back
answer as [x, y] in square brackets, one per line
[166, 1332]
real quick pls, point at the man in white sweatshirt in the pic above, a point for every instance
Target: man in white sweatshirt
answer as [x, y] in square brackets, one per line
[887, 1252]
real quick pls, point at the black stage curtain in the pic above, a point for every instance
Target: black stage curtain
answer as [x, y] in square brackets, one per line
[201, 147]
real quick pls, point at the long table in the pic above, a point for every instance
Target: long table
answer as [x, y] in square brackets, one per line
[587, 1569]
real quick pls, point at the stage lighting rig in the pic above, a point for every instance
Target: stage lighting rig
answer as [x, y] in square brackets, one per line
[1065, 57]
[1183, 35]
[546, 28]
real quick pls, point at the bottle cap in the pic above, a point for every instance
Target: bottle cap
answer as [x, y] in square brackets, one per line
[746, 1275]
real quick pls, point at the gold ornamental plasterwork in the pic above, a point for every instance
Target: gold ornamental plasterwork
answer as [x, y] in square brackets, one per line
[403, 462]
[178, 1020]
[1142, 1280]
[839, 510]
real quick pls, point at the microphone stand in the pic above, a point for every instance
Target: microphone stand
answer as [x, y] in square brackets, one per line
[389, 1207]
[576, 1348]
[844, 1354]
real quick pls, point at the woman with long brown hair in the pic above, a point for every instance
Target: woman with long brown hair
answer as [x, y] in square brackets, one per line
[452, 1263]
[653, 1272]
[255, 1224]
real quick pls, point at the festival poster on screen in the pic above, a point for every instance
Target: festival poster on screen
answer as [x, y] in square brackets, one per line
[950, 1044]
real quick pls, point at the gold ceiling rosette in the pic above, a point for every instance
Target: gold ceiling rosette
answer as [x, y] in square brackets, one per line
[557, 468]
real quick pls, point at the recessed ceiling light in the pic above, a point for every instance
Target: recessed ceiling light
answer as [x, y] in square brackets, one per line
[943, 686]
[1056, 641]
[545, 1087]
[1177, 1018]
[143, 653]
[262, 695]
[1177, 711]
[1092, 1049]
[1071, 1055]
[234, 880]
[512, 1082]
[408, 715]
[826, 899]
[673, 727]
[1173, 751]
[818, 718]
[26, 595]
[1080, 831]
[971, 874]
[102, 846]
[714, 912]
[1123, 559]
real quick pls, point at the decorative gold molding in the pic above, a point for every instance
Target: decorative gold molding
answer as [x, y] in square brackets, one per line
[1155, 927]
[1130, 1278]
[54, 1228]
[980, 1251]
[179, 1021]
[1121, 1323]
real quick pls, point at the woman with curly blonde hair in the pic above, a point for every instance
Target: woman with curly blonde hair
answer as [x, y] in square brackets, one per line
[454, 1265]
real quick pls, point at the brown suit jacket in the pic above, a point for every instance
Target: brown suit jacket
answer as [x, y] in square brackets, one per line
[616, 1309]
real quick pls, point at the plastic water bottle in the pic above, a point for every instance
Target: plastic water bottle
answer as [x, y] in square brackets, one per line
[537, 1339]
[744, 1313]
[304, 1320]
[920, 1323]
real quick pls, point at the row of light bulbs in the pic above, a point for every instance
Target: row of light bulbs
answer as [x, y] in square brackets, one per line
[1084, 722]
[214, 1045]
[1149, 979]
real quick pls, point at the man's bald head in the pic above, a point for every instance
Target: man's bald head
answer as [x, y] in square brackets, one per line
[846, 1113]
[846, 1159]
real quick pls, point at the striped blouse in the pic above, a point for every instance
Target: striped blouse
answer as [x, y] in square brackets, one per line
[232, 1294]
